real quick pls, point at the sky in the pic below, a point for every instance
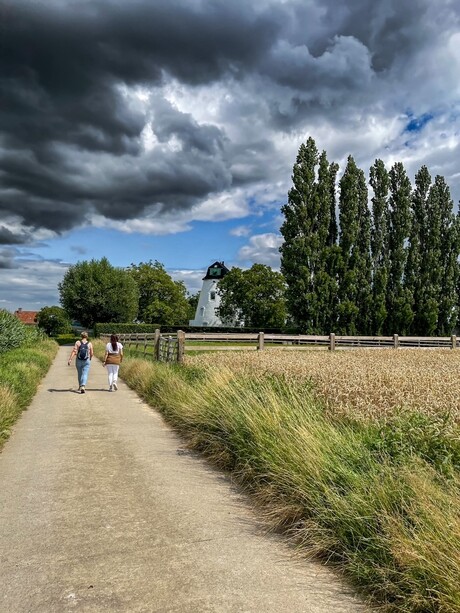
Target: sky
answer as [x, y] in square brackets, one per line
[167, 129]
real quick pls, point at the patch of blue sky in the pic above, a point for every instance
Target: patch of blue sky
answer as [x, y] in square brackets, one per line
[416, 124]
[208, 241]
[194, 249]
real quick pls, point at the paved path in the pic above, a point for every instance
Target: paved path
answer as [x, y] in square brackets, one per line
[102, 509]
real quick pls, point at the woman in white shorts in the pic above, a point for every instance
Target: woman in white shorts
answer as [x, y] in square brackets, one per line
[112, 360]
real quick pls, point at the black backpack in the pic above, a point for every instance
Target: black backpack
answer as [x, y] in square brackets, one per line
[83, 351]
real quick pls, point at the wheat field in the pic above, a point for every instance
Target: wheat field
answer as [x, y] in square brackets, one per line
[364, 382]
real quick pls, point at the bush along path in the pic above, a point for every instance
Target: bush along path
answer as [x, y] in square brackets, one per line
[25, 357]
[103, 509]
[368, 499]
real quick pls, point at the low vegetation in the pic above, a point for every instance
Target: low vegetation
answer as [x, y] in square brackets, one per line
[343, 452]
[12, 331]
[23, 364]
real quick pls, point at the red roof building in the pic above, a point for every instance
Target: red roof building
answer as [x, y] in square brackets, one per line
[29, 318]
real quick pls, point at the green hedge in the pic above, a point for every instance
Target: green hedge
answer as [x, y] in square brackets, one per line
[66, 339]
[107, 328]
[123, 328]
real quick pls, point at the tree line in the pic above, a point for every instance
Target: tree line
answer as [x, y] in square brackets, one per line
[359, 256]
[357, 261]
[95, 291]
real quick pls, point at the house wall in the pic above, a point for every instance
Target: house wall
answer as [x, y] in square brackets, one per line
[207, 304]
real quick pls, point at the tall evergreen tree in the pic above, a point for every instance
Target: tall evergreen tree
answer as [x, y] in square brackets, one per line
[395, 271]
[333, 234]
[379, 181]
[306, 231]
[432, 262]
[399, 304]
[417, 275]
[354, 241]
[327, 274]
[449, 252]
[298, 251]
[364, 263]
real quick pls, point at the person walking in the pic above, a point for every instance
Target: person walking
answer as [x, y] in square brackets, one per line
[83, 350]
[112, 360]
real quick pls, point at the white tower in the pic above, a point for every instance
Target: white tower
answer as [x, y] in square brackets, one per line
[209, 300]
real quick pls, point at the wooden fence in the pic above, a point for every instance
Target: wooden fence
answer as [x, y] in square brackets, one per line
[171, 347]
[331, 341]
[161, 347]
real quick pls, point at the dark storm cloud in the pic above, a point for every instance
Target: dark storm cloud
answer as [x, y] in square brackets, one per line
[72, 130]
[7, 237]
[62, 68]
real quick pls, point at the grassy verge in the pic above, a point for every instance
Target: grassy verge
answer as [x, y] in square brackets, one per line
[21, 370]
[347, 491]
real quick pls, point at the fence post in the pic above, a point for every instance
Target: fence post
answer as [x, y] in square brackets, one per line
[331, 341]
[395, 341]
[260, 341]
[156, 345]
[180, 346]
[453, 340]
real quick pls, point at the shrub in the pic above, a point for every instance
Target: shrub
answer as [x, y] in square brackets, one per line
[66, 339]
[12, 331]
[54, 320]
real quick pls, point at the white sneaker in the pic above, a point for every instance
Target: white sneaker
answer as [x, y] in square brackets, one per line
[115, 386]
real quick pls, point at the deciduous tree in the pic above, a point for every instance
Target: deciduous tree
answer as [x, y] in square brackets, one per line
[162, 300]
[95, 291]
[254, 298]
[54, 320]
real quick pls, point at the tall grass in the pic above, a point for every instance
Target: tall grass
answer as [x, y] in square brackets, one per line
[12, 331]
[21, 370]
[337, 487]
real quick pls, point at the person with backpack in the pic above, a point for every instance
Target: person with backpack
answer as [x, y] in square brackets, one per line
[83, 350]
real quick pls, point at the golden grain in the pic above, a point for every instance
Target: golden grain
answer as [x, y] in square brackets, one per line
[368, 383]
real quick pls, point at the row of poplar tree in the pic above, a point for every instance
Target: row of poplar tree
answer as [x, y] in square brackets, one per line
[384, 265]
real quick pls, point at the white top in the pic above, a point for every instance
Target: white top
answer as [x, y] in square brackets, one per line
[109, 348]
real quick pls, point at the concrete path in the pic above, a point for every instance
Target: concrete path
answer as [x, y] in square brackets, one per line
[102, 509]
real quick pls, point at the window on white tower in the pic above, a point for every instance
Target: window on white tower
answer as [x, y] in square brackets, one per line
[213, 295]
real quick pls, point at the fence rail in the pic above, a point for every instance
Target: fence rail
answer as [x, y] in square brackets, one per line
[171, 347]
[157, 346]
